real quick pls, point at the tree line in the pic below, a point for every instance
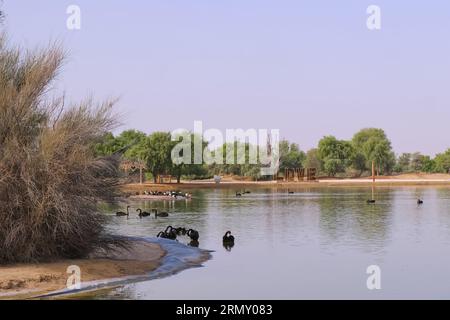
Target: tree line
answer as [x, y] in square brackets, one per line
[332, 157]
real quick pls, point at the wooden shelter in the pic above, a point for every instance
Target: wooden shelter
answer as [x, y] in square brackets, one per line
[164, 178]
[129, 166]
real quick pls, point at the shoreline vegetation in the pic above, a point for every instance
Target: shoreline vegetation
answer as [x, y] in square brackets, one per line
[150, 157]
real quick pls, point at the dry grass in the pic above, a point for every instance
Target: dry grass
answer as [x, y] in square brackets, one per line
[50, 181]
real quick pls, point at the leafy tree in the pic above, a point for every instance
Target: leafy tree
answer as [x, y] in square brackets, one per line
[335, 154]
[358, 161]
[428, 164]
[132, 139]
[291, 156]
[403, 163]
[333, 166]
[442, 162]
[312, 160]
[107, 146]
[136, 142]
[186, 169]
[158, 148]
[421, 163]
[241, 165]
[374, 145]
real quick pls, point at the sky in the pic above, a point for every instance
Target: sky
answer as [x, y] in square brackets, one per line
[308, 68]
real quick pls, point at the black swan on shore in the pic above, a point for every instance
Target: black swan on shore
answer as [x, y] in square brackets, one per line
[369, 201]
[193, 234]
[290, 192]
[143, 213]
[123, 214]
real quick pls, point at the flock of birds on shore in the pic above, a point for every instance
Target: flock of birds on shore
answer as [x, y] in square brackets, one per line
[173, 194]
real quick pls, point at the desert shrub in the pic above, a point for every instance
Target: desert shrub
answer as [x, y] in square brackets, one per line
[50, 180]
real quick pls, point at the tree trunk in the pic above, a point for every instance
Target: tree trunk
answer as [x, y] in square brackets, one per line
[179, 179]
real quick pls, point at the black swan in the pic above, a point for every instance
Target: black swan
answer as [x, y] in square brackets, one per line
[419, 201]
[290, 192]
[371, 201]
[228, 238]
[180, 231]
[123, 214]
[160, 214]
[161, 234]
[170, 233]
[238, 194]
[193, 234]
[143, 213]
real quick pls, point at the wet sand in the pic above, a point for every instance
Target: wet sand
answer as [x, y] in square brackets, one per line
[23, 281]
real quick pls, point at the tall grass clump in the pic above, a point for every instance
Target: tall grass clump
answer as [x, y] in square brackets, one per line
[50, 180]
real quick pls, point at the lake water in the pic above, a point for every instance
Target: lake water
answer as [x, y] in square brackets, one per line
[314, 244]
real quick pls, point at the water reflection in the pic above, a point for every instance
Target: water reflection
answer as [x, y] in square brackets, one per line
[194, 243]
[228, 246]
[321, 238]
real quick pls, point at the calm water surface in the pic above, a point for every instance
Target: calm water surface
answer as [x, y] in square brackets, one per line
[316, 243]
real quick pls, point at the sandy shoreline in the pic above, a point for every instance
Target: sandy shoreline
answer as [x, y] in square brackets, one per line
[441, 180]
[30, 280]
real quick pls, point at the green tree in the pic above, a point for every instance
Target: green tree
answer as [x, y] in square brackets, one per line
[421, 163]
[158, 148]
[107, 146]
[335, 154]
[133, 140]
[403, 163]
[241, 165]
[290, 155]
[191, 168]
[312, 160]
[428, 164]
[442, 162]
[374, 145]
[358, 161]
[136, 142]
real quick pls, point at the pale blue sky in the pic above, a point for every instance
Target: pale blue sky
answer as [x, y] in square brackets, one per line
[309, 68]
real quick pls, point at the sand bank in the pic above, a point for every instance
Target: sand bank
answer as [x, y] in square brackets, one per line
[147, 259]
[30, 280]
[418, 179]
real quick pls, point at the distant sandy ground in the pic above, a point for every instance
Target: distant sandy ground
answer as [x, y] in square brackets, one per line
[418, 179]
[28, 280]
